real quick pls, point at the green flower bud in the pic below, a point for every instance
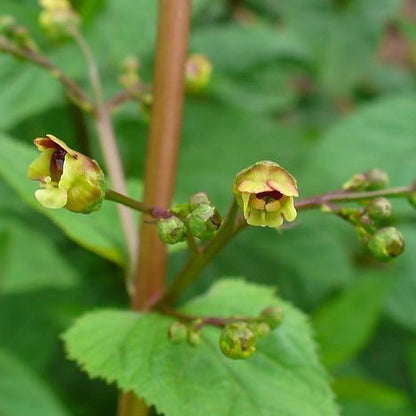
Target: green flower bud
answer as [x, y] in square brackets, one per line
[367, 181]
[412, 199]
[265, 192]
[203, 221]
[386, 243]
[171, 230]
[194, 333]
[237, 341]
[198, 69]
[7, 24]
[272, 316]
[58, 17]
[198, 199]
[68, 178]
[260, 329]
[194, 338]
[379, 208]
[177, 332]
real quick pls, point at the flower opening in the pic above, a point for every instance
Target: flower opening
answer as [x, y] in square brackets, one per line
[265, 192]
[67, 178]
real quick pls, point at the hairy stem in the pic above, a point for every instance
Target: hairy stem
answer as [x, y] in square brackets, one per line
[161, 159]
[108, 144]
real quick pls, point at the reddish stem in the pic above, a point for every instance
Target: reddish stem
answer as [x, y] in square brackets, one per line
[161, 159]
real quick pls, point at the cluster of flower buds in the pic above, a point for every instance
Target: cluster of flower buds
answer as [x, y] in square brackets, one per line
[265, 192]
[179, 332]
[370, 180]
[198, 69]
[238, 335]
[16, 34]
[58, 17]
[198, 218]
[68, 179]
[384, 242]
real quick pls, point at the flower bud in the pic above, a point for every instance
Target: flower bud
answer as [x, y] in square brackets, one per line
[171, 230]
[129, 76]
[378, 208]
[58, 17]
[237, 341]
[68, 178]
[265, 192]
[203, 221]
[367, 181]
[198, 69]
[177, 332]
[194, 333]
[272, 316]
[386, 243]
[198, 199]
[412, 199]
[260, 329]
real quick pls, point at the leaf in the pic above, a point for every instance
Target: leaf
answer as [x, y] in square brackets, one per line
[92, 231]
[283, 377]
[339, 34]
[378, 135]
[22, 393]
[26, 91]
[361, 397]
[345, 324]
[42, 266]
[401, 303]
[237, 48]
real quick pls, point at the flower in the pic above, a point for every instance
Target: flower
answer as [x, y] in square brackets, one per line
[265, 192]
[68, 179]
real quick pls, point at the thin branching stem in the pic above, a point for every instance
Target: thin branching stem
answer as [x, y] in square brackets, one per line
[75, 92]
[108, 143]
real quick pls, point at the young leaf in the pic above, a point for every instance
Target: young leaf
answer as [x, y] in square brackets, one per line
[282, 377]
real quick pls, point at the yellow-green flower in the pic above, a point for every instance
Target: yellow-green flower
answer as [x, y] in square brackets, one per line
[68, 179]
[265, 192]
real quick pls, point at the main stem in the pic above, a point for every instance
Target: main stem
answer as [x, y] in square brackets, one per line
[161, 158]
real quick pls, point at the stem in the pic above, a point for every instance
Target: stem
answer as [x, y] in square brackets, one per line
[206, 320]
[74, 91]
[345, 196]
[161, 158]
[163, 144]
[197, 262]
[128, 202]
[108, 143]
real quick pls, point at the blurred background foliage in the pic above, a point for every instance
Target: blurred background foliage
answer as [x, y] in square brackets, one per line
[324, 87]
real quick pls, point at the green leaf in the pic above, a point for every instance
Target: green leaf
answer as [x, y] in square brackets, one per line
[338, 35]
[361, 397]
[237, 48]
[378, 135]
[401, 303]
[22, 393]
[283, 376]
[43, 265]
[26, 91]
[92, 231]
[345, 324]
